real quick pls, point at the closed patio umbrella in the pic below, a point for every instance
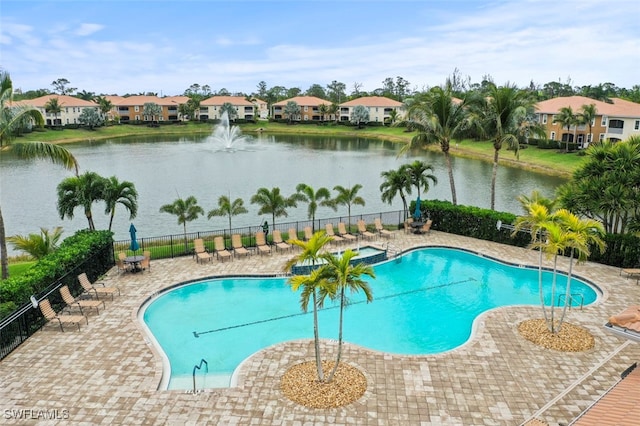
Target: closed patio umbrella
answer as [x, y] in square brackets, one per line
[417, 214]
[134, 243]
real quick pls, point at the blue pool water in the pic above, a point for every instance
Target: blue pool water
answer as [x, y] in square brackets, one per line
[424, 304]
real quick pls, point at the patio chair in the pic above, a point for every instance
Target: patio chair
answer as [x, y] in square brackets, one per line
[277, 240]
[362, 230]
[200, 251]
[426, 228]
[94, 288]
[330, 232]
[308, 233]
[238, 248]
[51, 315]
[79, 303]
[221, 251]
[407, 226]
[145, 264]
[261, 244]
[342, 231]
[293, 235]
[383, 232]
[122, 267]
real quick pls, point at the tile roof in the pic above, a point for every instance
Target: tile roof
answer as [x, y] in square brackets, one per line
[619, 107]
[373, 101]
[141, 100]
[219, 100]
[304, 101]
[63, 100]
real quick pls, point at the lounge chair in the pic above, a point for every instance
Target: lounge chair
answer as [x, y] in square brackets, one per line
[93, 288]
[293, 235]
[221, 251]
[362, 230]
[79, 303]
[383, 232]
[238, 248]
[342, 231]
[308, 233]
[261, 244]
[426, 228]
[51, 315]
[280, 244]
[200, 251]
[336, 238]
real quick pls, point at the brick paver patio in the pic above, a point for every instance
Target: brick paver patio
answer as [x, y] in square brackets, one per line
[109, 373]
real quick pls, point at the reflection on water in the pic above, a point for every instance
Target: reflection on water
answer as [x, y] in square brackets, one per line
[163, 169]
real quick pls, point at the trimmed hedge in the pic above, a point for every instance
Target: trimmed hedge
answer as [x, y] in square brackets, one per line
[74, 250]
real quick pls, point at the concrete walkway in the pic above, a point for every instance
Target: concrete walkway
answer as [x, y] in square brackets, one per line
[108, 373]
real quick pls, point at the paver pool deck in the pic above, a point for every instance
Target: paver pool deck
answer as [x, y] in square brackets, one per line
[108, 373]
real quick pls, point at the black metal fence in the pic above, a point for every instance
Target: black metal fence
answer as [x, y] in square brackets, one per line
[27, 319]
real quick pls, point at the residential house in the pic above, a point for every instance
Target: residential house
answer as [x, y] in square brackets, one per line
[210, 108]
[309, 109]
[70, 108]
[380, 108]
[131, 108]
[615, 121]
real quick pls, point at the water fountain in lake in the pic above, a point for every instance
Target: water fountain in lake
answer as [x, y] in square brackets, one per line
[227, 135]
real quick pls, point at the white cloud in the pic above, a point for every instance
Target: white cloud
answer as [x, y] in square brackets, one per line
[88, 29]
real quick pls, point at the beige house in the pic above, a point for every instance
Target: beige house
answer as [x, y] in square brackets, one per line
[309, 109]
[380, 108]
[131, 108]
[210, 108]
[615, 121]
[70, 108]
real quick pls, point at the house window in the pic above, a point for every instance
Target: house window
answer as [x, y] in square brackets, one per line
[593, 121]
[601, 138]
[306, 108]
[637, 125]
[589, 137]
[553, 136]
[580, 138]
[544, 118]
[136, 109]
[306, 117]
[137, 117]
[604, 120]
[616, 124]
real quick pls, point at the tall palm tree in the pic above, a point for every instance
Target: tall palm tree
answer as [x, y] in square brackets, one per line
[272, 202]
[348, 197]
[323, 109]
[228, 208]
[124, 193]
[311, 284]
[186, 210]
[342, 275]
[80, 191]
[566, 118]
[37, 245]
[54, 107]
[9, 117]
[419, 175]
[321, 197]
[438, 120]
[588, 115]
[502, 113]
[396, 182]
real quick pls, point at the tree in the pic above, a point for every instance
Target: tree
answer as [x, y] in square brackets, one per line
[53, 106]
[317, 91]
[419, 175]
[341, 276]
[311, 284]
[105, 106]
[89, 117]
[348, 197]
[186, 210]
[588, 115]
[291, 110]
[124, 193]
[231, 111]
[37, 245]
[336, 91]
[360, 115]
[61, 86]
[323, 109]
[438, 120]
[9, 116]
[272, 202]
[84, 95]
[228, 208]
[80, 191]
[321, 197]
[396, 182]
[566, 118]
[151, 111]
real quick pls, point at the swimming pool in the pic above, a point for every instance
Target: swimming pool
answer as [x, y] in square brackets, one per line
[424, 303]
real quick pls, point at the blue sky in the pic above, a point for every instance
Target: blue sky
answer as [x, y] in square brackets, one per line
[118, 47]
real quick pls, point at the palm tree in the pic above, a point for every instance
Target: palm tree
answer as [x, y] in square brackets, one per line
[348, 197]
[419, 175]
[80, 191]
[37, 245]
[186, 210]
[396, 182]
[105, 106]
[566, 118]
[228, 208]
[341, 275]
[291, 110]
[323, 109]
[272, 202]
[505, 107]
[311, 284]
[588, 115]
[54, 107]
[9, 116]
[438, 120]
[116, 192]
[321, 197]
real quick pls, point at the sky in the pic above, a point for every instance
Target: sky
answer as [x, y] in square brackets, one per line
[133, 46]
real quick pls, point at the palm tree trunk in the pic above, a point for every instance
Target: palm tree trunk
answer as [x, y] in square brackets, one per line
[541, 288]
[451, 181]
[567, 296]
[553, 294]
[3, 250]
[316, 338]
[113, 213]
[335, 367]
[494, 174]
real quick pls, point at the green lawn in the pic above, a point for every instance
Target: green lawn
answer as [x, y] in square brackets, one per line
[18, 268]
